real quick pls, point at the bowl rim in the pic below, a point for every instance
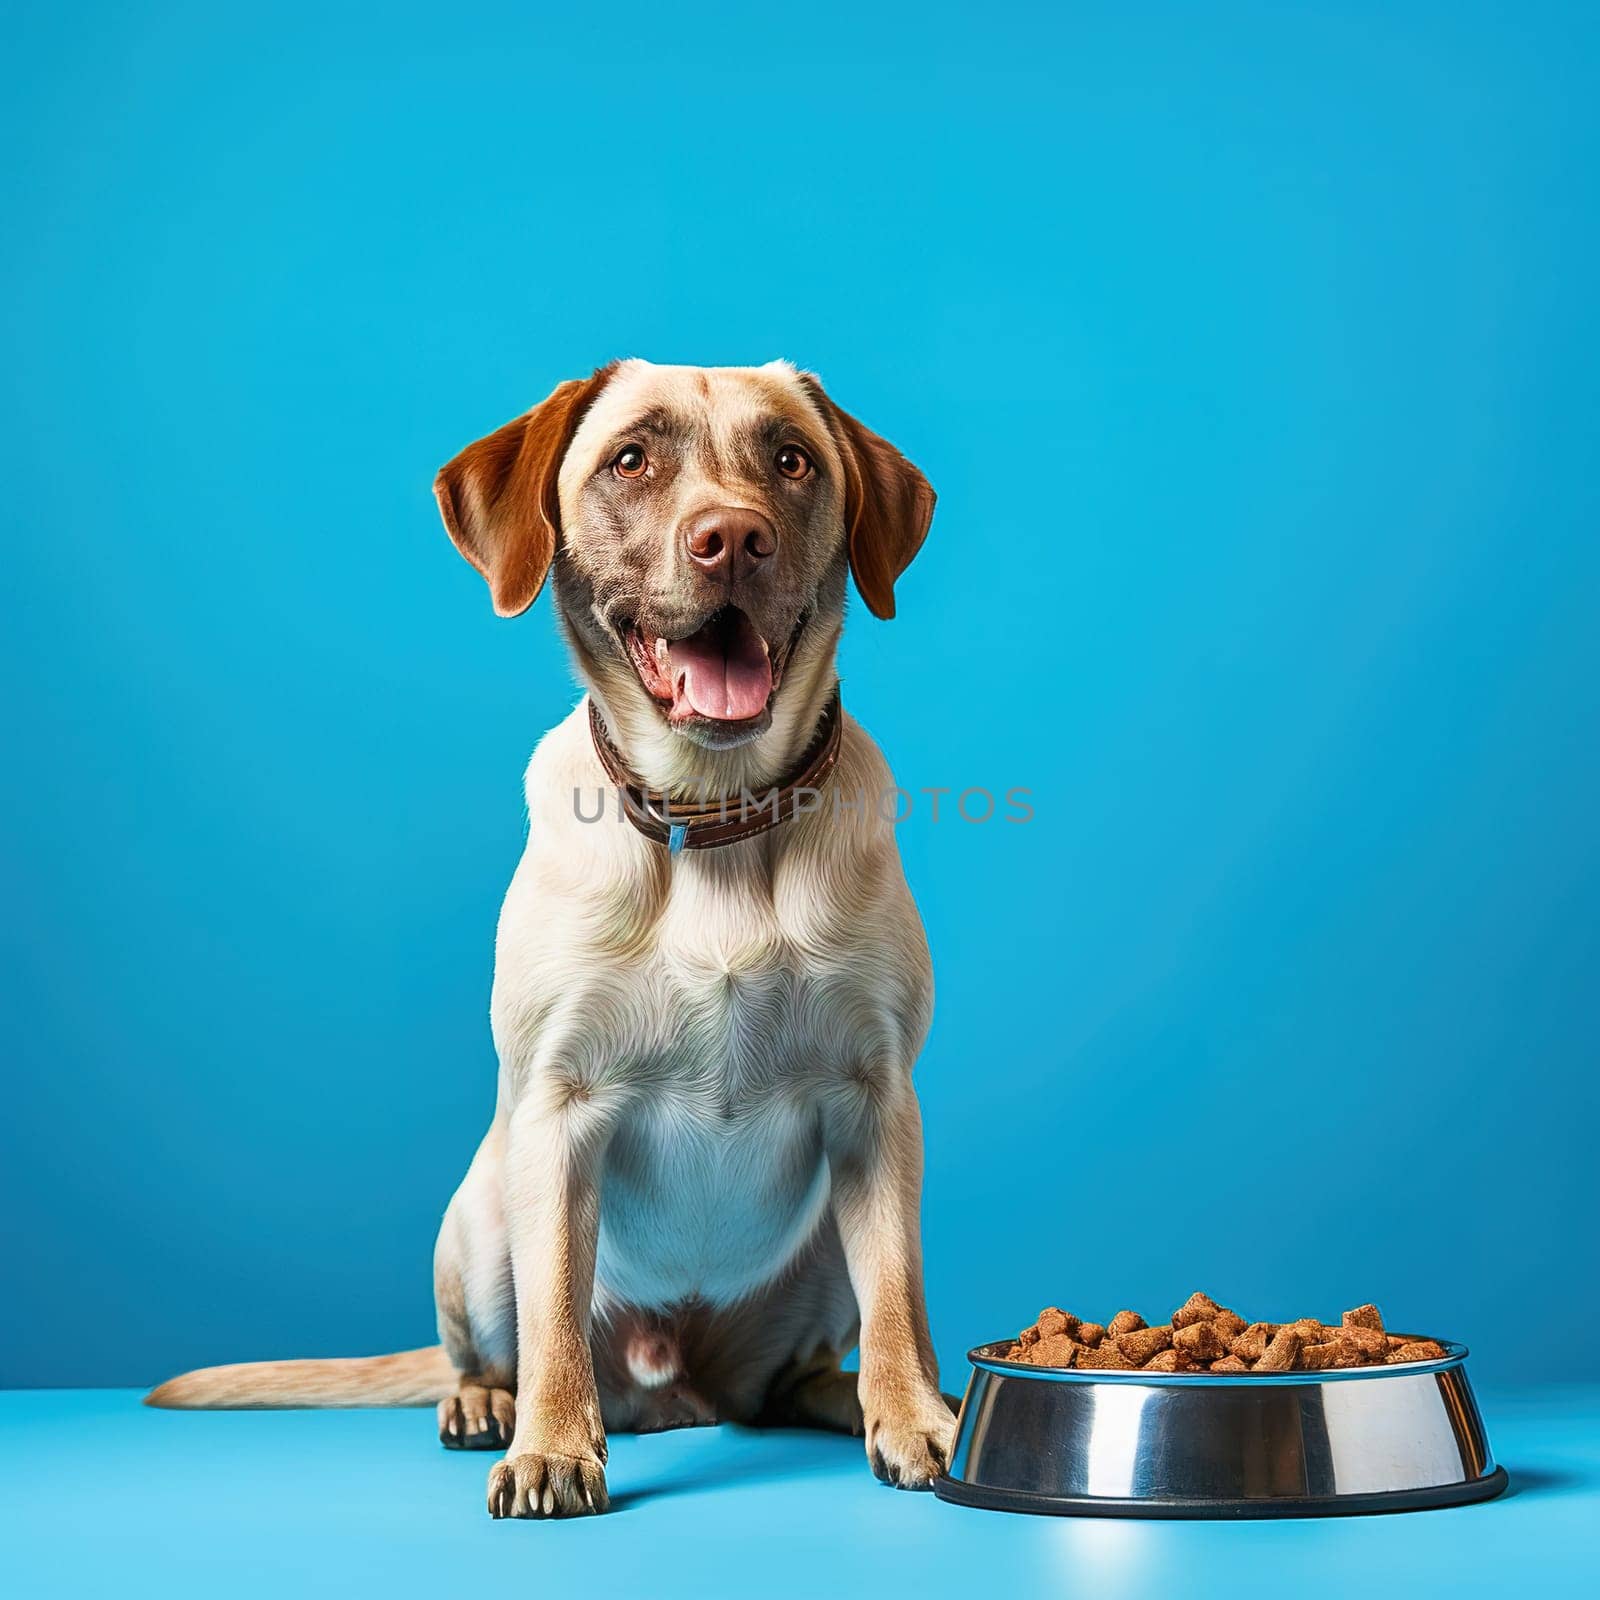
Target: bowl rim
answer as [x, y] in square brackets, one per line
[982, 1356]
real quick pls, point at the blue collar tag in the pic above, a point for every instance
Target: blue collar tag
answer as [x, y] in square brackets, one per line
[679, 832]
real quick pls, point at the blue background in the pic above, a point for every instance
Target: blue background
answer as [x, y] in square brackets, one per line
[1252, 351]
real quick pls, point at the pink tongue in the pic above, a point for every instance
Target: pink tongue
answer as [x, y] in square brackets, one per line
[721, 672]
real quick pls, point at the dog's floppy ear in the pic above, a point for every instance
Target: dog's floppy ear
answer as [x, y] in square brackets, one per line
[888, 505]
[498, 497]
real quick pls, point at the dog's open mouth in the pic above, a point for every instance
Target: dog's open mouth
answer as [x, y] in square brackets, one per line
[724, 671]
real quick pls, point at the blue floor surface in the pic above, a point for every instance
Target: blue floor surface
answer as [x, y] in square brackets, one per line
[101, 1496]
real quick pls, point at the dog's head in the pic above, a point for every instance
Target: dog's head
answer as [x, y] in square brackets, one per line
[700, 521]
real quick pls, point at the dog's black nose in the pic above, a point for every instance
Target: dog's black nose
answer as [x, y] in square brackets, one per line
[729, 542]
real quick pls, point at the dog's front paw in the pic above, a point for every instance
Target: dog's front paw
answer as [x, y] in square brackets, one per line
[910, 1452]
[534, 1485]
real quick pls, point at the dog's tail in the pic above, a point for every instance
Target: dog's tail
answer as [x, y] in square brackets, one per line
[408, 1378]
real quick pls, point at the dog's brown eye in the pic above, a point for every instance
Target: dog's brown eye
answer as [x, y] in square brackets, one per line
[792, 462]
[631, 462]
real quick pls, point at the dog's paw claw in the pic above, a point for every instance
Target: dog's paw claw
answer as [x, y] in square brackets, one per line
[910, 1454]
[477, 1419]
[532, 1485]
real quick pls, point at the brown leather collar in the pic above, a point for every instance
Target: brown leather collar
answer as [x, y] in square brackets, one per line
[705, 824]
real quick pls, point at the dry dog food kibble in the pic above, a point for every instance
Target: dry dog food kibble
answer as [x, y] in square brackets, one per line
[1205, 1337]
[1201, 1341]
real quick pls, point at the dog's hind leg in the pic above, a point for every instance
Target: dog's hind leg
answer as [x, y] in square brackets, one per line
[477, 1315]
[814, 1393]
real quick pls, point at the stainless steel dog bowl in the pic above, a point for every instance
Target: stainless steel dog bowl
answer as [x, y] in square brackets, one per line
[1148, 1444]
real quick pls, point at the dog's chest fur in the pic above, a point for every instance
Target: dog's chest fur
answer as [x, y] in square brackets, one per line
[710, 1020]
[715, 1178]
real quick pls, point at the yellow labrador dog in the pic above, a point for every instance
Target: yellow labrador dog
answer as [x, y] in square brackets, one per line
[701, 1184]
